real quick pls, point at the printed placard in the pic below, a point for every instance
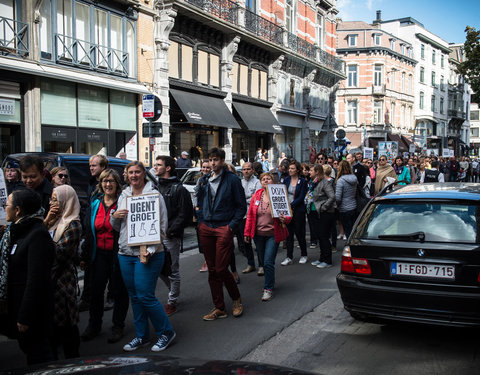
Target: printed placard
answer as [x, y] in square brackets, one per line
[446, 153]
[143, 220]
[368, 153]
[3, 199]
[279, 203]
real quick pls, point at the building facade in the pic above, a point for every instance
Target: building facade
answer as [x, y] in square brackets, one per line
[69, 75]
[474, 129]
[376, 101]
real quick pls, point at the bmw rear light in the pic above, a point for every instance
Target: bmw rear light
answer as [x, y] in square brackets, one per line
[354, 265]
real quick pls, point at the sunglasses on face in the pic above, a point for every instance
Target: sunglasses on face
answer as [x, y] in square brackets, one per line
[61, 175]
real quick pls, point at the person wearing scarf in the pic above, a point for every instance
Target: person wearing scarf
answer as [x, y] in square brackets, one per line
[384, 170]
[26, 258]
[63, 223]
[402, 172]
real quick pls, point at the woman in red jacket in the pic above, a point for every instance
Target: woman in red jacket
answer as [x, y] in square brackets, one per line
[266, 231]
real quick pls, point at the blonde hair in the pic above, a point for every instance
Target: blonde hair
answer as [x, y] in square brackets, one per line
[343, 168]
[327, 169]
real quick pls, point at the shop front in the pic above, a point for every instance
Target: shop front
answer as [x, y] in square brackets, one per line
[11, 121]
[290, 141]
[199, 120]
[258, 127]
[87, 119]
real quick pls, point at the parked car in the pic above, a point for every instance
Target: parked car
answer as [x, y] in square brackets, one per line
[414, 255]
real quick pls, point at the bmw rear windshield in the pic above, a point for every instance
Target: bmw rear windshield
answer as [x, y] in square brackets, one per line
[445, 221]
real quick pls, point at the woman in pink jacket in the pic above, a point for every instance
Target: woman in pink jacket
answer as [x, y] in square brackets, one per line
[266, 231]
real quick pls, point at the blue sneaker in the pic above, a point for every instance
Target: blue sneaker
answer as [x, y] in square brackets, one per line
[135, 344]
[324, 265]
[316, 263]
[163, 342]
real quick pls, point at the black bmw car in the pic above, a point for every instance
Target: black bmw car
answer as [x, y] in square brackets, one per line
[414, 255]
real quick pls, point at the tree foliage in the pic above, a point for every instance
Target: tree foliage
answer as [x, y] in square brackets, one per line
[470, 67]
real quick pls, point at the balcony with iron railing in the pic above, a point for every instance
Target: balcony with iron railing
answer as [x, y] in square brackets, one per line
[263, 28]
[268, 30]
[223, 9]
[13, 37]
[83, 54]
[457, 113]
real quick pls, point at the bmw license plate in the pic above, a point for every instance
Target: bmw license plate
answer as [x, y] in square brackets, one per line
[423, 270]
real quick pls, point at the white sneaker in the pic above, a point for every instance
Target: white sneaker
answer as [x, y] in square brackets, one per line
[315, 263]
[313, 246]
[324, 265]
[303, 260]
[267, 295]
[339, 237]
[344, 237]
[286, 262]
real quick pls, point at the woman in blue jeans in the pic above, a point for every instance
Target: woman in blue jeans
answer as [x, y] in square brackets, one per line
[141, 271]
[266, 231]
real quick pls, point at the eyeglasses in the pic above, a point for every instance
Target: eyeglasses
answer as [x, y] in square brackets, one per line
[108, 182]
[61, 175]
[335, 162]
[246, 169]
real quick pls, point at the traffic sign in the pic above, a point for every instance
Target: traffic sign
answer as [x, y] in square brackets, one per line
[157, 129]
[148, 105]
[340, 134]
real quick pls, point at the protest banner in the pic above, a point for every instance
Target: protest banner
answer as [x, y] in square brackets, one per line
[446, 153]
[368, 153]
[279, 203]
[3, 199]
[143, 220]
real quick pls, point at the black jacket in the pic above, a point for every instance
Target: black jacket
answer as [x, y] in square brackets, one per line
[179, 205]
[45, 190]
[361, 173]
[30, 292]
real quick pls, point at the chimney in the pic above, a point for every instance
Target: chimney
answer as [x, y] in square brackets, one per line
[379, 18]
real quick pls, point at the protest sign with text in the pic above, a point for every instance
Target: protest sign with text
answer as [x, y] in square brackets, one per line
[279, 200]
[143, 220]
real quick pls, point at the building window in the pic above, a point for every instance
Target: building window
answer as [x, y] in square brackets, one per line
[441, 105]
[320, 28]
[377, 112]
[403, 48]
[474, 132]
[410, 83]
[392, 80]
[422, 51]
[377, 39]
[474, 115]
[433, 78]
[291, 15]
[422, 75]
[392, 44]
[442, 84]
[251, 5]
[392, 113]
[409, 51]
[377, 75]
[442, 61]
[352, 40]
[434, 57]
[402, 116]
[352, 75]
[403, 81]
[421, 102]
[352, 111]
[434, 102]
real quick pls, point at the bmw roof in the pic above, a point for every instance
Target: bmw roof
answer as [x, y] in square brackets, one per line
[447, 190]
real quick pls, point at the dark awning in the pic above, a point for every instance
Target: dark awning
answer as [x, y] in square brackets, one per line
[204, 109]
[373, 142]
[257, 118]
[402, 147]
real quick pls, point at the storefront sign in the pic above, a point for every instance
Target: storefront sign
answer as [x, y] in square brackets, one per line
[143, 220]
[279, 200]
[3, 199]
[194, 116]
[7, 107]
[368, 153]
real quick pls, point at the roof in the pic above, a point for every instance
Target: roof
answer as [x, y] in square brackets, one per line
[354, 25]
[449, 190]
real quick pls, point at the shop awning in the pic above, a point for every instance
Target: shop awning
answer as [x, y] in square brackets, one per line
[204, 109]
[256, 118]
[402, 147]
[373, 142]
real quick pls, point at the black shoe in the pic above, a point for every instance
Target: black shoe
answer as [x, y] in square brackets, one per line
[89, 334]
[108, 304]
[117, 334]
[83, 306]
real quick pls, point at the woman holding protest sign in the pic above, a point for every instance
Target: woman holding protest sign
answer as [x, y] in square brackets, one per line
[141, 265]
[266, 231]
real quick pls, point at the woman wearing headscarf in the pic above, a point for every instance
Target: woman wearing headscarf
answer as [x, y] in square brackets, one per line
[384, 172]
[26, 258]
[63, 223]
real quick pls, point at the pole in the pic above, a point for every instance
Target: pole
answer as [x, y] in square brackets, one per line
[149, 145]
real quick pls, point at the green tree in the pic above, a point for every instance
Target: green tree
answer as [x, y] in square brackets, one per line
[470, 68]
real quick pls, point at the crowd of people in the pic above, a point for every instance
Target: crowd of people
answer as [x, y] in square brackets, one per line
[50, 236]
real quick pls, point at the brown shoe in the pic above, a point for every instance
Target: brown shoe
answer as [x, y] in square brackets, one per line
[260, 272]
[215, 314]
[249, 269]
[237, 308]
